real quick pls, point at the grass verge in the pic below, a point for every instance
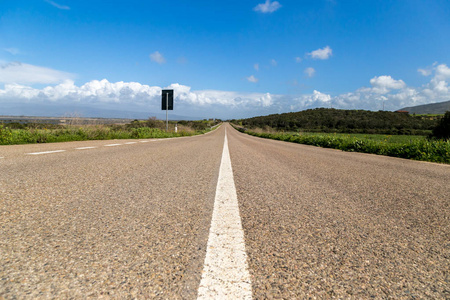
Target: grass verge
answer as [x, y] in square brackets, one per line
[81, 133]
[409, 147]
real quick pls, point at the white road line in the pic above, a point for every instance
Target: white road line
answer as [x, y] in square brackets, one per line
[112, 145]
[46, 152]
[129, 143]
[225, 272]
[1, 157]
[143, 141]
[84, 148]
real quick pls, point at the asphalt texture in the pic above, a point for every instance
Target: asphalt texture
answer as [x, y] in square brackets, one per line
[123, 222]
[322, 223]
[131, 221]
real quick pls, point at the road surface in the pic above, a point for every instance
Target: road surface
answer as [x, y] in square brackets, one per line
[132, 219]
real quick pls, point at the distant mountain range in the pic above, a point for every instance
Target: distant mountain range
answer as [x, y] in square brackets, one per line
[433, 108]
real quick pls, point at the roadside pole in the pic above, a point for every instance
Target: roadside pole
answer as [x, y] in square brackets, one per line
[167, 104]
[167, 112]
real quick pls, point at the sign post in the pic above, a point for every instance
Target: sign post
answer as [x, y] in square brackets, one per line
[167, 112]
[167, 104]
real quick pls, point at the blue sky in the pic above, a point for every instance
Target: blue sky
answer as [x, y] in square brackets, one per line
[227, 59]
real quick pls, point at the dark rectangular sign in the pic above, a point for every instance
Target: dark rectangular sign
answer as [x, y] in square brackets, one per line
[167, 94]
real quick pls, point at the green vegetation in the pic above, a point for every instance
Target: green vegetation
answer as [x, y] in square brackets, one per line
[383, 138]
[442, 130]
[430, 116]
[344, 121]
[16, 133]
[417, 148]
[384, 133]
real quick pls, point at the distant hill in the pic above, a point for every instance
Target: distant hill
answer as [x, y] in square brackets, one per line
[432, 108]
[345, 121]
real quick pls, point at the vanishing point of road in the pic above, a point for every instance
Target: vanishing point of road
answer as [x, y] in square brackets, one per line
[222, 215]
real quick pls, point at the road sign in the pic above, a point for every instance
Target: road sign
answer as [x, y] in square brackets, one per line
[167, 96]
[167, 104]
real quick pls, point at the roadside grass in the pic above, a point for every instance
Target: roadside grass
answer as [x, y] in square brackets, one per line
[386, 138]
[409, 147]
[88, 132]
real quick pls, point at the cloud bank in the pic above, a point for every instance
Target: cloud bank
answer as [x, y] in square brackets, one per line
[134, 96]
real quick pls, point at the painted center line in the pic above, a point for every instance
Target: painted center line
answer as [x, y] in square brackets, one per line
[225, 272]
[112, 145]
[129, 143]
[84, 148]
[143, 141]
[45, 152]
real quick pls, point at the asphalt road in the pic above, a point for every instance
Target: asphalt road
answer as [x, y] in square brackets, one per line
[118, 220]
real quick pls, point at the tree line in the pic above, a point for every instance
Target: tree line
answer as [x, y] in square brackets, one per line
[345, 121]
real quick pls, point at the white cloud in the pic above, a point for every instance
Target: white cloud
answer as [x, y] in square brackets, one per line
[21, 73]
[320, 97]
[252, 79]
[324, 53]
[441, 87]
[157, 57]
[63, 7]
[383, 84]
[266, 100]
[13, 51]
[127, 95]
[221, 100]
[94, 91]
[310, 72]
[256, 67]
[425, 72]
[442, 72]
[428, 70]
[267, 7]
[273, 62]
[228, 104]
[316, 99]
[396, 94]
[298, 59]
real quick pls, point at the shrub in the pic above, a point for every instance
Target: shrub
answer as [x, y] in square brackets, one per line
[5, 135]
[442, 130]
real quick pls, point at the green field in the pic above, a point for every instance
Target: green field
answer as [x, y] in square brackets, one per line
[384, 138]
[403, 146]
